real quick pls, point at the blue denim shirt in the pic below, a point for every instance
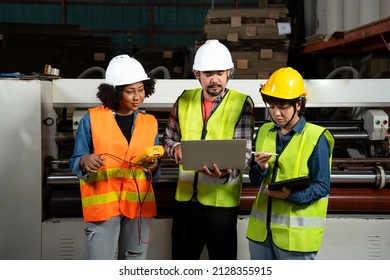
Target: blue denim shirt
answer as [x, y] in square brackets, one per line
[319, 169]
[83, 146]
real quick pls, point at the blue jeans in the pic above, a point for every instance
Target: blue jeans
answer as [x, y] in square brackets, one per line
[130, 236]
[268, 251]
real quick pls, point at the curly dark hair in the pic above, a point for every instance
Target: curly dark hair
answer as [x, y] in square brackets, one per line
[110, 96]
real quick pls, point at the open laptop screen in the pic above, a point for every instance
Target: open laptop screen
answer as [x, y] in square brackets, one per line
[227, 153]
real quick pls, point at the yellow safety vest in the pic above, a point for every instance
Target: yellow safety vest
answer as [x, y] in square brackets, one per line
[296, 228]
[220, 125]
[118, 187]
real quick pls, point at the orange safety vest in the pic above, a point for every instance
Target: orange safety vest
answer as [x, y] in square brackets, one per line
[118, 187]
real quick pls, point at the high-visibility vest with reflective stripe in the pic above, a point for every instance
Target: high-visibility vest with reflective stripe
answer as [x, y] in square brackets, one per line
[118, 187]
[220, 125]
[293, 227]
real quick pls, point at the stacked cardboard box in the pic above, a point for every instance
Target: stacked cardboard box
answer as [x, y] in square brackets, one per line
[257, 38]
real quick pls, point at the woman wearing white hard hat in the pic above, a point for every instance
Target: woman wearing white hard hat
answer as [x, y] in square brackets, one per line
[117, 196]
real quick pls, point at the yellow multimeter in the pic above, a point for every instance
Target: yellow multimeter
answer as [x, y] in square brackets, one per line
[149, 154]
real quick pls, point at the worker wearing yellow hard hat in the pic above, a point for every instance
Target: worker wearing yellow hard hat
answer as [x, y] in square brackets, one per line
[289, 223]
[285, 86]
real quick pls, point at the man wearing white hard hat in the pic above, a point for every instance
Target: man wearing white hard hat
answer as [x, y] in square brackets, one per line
[207, 202]
[117, 195]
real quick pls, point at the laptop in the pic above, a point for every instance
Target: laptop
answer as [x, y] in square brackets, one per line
[227, 153]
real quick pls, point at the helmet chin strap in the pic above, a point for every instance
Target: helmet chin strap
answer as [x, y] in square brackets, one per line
[284, 126]
[295, 111]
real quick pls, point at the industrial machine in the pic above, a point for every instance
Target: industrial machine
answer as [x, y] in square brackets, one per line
[40, 193]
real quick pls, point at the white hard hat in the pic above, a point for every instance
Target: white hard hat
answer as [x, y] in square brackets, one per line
[125, 70]
[212, 56]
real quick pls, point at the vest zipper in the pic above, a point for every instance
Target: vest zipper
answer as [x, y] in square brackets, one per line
[269, 204]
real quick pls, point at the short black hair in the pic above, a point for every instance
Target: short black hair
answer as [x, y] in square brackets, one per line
[279, 101]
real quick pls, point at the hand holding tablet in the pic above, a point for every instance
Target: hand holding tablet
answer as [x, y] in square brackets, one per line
[299, 183]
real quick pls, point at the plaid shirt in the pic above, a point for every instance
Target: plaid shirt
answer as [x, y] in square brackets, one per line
[243, 130]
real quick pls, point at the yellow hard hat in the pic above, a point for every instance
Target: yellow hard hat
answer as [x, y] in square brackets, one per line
[284, 83]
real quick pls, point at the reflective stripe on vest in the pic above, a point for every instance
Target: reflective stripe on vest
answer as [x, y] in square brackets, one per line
[294, 227]
[118, 188]
[220, 125]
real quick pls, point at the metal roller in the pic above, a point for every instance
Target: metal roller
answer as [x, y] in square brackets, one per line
[359, 201]
[346, 135]
[367, 177]
[355, 190]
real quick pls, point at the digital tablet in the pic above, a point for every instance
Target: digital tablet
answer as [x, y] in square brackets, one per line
[229, 153]
[299, 183]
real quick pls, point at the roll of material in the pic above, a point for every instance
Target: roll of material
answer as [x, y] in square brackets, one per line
[310, 17]
[321, 17]
[334, 16]
[55, 71]
[49, 70]
[384, 8]
[351, 14]
[369, 11]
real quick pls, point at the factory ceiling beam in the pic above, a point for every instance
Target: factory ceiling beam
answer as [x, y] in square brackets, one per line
[363, 39]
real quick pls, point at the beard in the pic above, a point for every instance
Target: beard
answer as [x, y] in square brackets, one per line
[214, 92]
